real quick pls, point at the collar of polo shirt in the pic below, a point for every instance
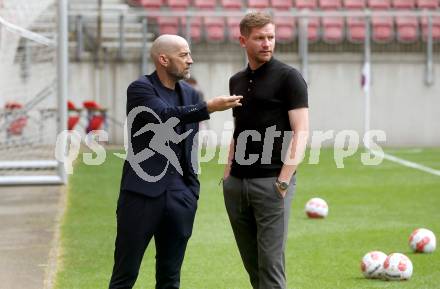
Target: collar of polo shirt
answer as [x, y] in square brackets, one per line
[260, 69]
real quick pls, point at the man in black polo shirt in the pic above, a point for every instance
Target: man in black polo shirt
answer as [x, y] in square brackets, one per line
[259, 180]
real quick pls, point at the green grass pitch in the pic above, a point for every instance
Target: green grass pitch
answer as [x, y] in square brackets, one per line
[371, 208]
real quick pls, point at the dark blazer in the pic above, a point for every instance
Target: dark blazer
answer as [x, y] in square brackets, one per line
[145, 92]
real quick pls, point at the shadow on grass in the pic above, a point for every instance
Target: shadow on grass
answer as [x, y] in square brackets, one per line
[358, 278]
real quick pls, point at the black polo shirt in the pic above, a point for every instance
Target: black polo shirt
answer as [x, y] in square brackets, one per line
[269, 92]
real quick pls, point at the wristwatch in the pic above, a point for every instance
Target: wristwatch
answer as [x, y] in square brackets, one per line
[282, 185]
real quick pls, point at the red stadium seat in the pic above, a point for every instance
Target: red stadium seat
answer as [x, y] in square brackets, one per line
[17, 125]
[73, 117]
[313, 24]
[95, 114]
[152, 4]
[205, 4]
[195, 28]
[435, 28]
[427, 4]
[134, 3]
[231, 4]
[13, 105]
[355, 25]
[215, 29]
[281, 4]
[70, 105]
[356, 29]
[95, 123]
[329, 4]
[168, 25]
[354, 4]
[91, 104]
[379, 4]
[382, 29]
[407, 28]
[178, 4]
[306, 4]
[404, 4]
[285, 29]
[233, 28]
[258, 4]
[72, 121]
[333, 29]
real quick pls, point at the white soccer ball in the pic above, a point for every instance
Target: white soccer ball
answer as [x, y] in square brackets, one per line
[316, 208]
[397, 267]
[422, 241]
[372, 264]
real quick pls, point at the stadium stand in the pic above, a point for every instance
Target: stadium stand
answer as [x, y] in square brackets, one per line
[73, 115]
[178, 4]
[96, 115]
[287, 4]
[258, 4]
[215, 29]
[306, 4]
[354, 4]
[355, 26]
[404, 4]
[427, 4]
[281, 4]
[382, 29]
[330, 4]
[16, 121]
[285, 29]
[407, 28]
[152, 4]
[214, 39]
[382, 26]
[435, 28]
[333, 29]
[356, 29]
[233, 24]
[195, 28]
[313, 26]
[379, 4]
[168, 25]
[231, 4]
[313, 23]
[205, 4]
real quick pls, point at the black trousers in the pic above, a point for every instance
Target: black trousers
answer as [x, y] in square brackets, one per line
[169, 218]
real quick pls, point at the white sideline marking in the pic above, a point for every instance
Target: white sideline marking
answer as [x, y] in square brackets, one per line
[406, 163]
[406, 151]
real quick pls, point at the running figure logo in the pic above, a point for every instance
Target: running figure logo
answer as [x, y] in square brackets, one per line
[163, 134]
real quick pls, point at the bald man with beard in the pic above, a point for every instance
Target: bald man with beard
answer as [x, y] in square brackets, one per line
[164, 208]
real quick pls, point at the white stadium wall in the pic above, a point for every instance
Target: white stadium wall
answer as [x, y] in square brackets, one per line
[401, 103]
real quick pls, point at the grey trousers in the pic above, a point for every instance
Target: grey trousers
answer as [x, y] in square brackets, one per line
[259, 218]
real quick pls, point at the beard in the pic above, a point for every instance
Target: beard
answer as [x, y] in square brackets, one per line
[179, 75]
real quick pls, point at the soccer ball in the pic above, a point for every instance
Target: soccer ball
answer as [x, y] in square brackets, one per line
[397, 267]
[372, 264]
[422, 241]
[316, 208]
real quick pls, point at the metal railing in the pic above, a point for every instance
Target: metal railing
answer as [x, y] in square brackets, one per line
[125, 28]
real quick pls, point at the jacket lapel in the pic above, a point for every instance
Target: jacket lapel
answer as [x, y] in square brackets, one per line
[154, 79]
[186, 100]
